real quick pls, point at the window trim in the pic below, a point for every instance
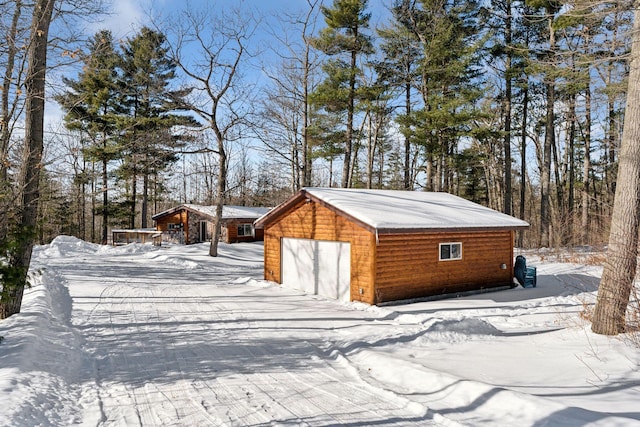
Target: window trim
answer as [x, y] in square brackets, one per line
[244, 226]
[450, 244]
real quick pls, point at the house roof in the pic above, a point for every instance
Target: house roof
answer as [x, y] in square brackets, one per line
[395, 211]
[228, 212]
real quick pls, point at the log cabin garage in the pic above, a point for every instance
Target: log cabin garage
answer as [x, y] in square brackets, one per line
[377, 246]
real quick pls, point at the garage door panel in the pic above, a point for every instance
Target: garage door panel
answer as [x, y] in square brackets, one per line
[317, 267]
[334, 261]
[297, 257]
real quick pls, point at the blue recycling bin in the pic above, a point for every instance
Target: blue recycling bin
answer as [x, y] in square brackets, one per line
[530, 278]
[526, 276]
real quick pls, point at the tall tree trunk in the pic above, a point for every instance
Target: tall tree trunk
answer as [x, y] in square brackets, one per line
[94, 178]
[587, 167]
[507, 114]
[134, 194]
[408, 184]
[560, 187]
[32, 156]
[371, 149]
[105, 201]
[569, 230]
[429, 173]
[523, 160]
[6, 114]
[221, 189]
[220, 199]
[620, 266]
[145, 200]
[346, 168]
[5, 109]
[295, 169]
[307, 158]
[610, 175]
[549, 139]
[83, 205]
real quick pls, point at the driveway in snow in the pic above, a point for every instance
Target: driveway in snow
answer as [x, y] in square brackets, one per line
[171, 341]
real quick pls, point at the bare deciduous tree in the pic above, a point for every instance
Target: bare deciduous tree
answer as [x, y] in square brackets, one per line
[209, 49]
[11, 81]
[287, 107]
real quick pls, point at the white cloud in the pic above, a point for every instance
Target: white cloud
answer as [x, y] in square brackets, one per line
[125, 17]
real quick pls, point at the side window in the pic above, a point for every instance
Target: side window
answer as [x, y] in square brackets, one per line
[450, 251]
[245, 230]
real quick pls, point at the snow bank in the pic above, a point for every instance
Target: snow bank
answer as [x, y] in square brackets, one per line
[40, 357]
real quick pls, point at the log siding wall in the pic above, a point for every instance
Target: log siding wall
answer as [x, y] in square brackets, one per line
[162, 223]
[231, 234]
[174, 235]
[313, 221]
[408, 266]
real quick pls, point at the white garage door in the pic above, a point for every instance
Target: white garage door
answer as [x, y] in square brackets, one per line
[317, 267]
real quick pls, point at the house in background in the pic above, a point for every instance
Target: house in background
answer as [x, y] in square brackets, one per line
[376, 246]
[191, 223]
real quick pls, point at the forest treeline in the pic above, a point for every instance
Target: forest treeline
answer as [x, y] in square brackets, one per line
[517, 105]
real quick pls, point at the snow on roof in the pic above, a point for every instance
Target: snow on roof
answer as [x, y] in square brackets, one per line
[389, 209]
[230, 211]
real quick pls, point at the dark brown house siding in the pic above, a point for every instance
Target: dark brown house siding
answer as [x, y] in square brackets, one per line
[230, 231]
[173, 226]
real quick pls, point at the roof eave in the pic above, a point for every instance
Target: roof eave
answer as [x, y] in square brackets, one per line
[274, 213]
[168, 212]
[386, 230]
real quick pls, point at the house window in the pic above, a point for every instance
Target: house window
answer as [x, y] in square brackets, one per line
[450, 251]
[174, 226]
[245, 230]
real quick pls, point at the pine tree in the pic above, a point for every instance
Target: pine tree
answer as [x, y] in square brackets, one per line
[150, 144]
[345, 41]
[399, 70]
[500, 17]
[92, 105]
[449, 81]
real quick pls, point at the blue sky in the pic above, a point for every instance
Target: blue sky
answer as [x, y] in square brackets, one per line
[126, 17]
[129, 15]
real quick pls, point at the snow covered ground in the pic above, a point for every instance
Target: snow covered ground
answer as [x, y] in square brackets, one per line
[140, 335]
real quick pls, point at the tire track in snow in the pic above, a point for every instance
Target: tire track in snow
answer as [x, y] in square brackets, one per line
[328, 390]
[175, 348]
[201, 396]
